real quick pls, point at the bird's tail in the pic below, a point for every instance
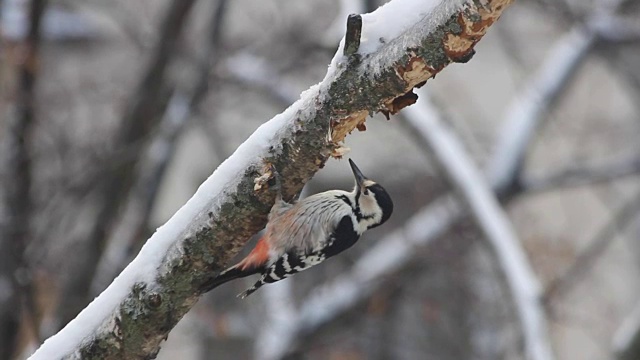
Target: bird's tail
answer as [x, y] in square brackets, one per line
[252, 264]
[234, 272]
[252, 289]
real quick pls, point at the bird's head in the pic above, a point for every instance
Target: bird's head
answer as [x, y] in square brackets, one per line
[373, 205]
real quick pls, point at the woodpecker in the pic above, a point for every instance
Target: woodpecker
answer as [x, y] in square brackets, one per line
[305, 233]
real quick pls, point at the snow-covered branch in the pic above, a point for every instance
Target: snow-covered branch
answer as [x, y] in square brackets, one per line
[461, 171]
[134, 314]
[139, 118]
[525, 115]
[331, 300]
[134, 225]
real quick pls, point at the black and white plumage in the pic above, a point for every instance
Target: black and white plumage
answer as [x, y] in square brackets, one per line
[303, 234]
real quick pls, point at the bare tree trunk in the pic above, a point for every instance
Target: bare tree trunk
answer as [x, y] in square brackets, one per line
[491, 218]
[142, 115]
[15, 276]
[134, 227]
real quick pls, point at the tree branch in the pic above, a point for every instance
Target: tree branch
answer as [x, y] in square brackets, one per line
[15, 275]
[134, 226]
[256, 73]
[329, 301]
[587, 258]
[524, 116]
[333, 299]
[352, 37]
[140, 117]
[132, 317]
[336, 30]
[580, 176]
[280, 311]
[459, 168]
[626, 340]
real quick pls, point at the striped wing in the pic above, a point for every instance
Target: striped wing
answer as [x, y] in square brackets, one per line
[293, 262]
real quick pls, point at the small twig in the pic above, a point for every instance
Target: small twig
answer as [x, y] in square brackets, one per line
[256, 73]
[580, 176]
[591, 254]
[335, 31]
[616, 28]
[352, 37]
[626, 340]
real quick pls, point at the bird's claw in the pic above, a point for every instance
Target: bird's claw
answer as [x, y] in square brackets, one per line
[275, 175]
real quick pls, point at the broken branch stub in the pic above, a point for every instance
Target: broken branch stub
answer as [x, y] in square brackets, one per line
[452, 41]
[352, 37]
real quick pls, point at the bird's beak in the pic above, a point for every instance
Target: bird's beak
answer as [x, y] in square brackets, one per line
[358, 175]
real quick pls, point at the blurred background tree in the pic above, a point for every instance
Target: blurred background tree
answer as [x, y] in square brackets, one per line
[548, 106]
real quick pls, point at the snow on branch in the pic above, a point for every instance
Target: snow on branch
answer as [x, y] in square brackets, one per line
[132, 317]
[181, 107]
[461, 171]
[138, 119]
[328, 302]
[524, 116]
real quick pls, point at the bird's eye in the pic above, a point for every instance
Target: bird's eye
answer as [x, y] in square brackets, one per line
[365, 192]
